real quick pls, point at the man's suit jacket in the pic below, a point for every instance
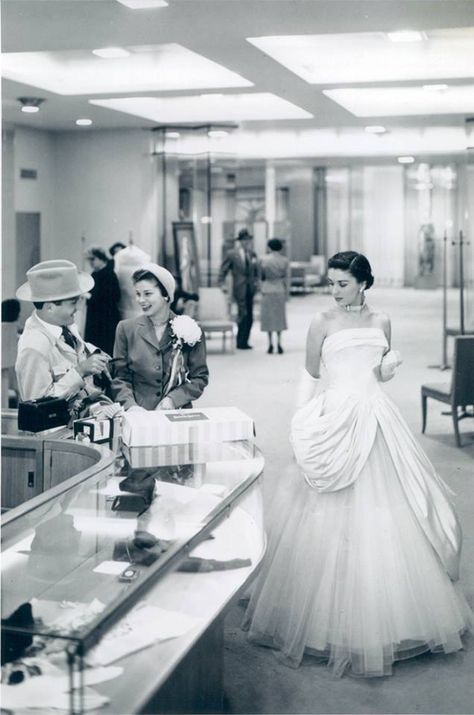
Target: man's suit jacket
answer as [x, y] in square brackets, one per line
[45, 365]
[245, 277]
[143, 367]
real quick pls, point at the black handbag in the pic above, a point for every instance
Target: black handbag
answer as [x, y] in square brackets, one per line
[130, 502]
[44, 413]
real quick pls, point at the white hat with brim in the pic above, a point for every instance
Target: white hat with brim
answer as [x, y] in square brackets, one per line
[162, 274]
[54, 280]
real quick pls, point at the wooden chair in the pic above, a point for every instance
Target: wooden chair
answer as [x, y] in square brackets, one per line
[461, 391]
[214, 314]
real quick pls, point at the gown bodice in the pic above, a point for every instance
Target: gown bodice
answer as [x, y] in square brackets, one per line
[350, 357]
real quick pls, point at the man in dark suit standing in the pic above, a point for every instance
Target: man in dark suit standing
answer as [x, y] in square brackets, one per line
[242, 262]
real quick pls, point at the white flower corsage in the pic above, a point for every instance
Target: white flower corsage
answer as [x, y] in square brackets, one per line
[185, 331]
[389, 364]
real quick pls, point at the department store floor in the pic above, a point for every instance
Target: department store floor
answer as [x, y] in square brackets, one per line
[263, 385]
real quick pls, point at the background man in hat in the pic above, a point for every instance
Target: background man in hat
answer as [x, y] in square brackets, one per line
[242, 262]
[53, 360]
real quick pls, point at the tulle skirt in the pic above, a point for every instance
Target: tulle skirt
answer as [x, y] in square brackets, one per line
[350, 576]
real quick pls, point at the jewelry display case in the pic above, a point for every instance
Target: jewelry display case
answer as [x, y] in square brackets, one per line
[115, 585]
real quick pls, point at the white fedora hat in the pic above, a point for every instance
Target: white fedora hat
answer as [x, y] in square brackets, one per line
[54, 280]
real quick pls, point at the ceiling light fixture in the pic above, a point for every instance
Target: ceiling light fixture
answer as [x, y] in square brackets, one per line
[435, 87]
[407, 36]
[378, 102]
[375, 129]
[30, 105]
[217, 133]
[110, 53]
[406, 159]
[172, 135]
[83, 122]
[143, 4]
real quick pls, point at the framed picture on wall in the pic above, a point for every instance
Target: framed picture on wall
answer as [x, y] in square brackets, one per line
[186, 256]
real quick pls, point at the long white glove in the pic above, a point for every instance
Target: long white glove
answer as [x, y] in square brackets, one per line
[306, 388]
[389, 364]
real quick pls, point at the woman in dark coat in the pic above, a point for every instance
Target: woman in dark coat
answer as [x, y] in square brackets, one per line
[102, 307]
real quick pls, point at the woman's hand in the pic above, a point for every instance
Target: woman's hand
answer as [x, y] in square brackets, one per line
[165, 404]
[390, 361]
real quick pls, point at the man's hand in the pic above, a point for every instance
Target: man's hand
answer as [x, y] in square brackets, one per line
[94, 364]
[165, 404]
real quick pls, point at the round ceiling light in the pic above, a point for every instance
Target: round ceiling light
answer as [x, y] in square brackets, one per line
[30, 105]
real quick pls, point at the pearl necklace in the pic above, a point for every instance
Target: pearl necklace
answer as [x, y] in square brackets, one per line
[354, 308]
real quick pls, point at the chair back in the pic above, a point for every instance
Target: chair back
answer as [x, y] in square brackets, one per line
[212, 304]
[462, 386]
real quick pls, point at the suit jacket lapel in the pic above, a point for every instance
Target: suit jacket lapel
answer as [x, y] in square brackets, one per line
[147, 332]
[166, 338]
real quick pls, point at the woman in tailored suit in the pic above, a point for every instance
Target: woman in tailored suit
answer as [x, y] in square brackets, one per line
[145, 348]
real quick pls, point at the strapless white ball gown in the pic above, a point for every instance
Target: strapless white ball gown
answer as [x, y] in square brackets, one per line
[364, 545]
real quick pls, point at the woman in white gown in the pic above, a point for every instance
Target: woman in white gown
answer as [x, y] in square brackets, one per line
[364, 548]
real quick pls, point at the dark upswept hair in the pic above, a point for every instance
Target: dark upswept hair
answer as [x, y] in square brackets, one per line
[97, 252]
[357, 265]
[143, 275]
[274, 244]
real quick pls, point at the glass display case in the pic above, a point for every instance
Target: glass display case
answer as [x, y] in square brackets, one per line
[114, 586]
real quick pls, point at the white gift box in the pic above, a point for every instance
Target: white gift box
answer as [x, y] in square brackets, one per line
[197, 425]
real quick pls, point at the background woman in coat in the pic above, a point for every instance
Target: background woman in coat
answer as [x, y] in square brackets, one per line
[274, 288]
[154, 369]
[102, 307]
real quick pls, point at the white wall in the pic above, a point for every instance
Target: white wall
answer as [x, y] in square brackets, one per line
[34, 149]
[8, 216]
[107, 190]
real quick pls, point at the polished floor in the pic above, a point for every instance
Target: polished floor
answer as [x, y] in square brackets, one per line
[263, 385]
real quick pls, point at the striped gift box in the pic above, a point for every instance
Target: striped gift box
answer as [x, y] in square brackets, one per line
[186, 427]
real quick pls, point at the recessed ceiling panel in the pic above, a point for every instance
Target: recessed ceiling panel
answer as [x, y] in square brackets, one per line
[206, 108]
[148, 68]
[404, 101]
[372, 56]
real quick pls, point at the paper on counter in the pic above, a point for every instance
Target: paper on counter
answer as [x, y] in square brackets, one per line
[111, 489]
[66, 615]
[47, 692]
[144, 626]
[114, 568]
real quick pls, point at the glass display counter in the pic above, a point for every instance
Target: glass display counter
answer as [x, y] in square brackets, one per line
[114, 586]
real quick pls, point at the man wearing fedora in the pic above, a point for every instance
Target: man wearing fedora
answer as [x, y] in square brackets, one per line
[53, 360]
[241, 261]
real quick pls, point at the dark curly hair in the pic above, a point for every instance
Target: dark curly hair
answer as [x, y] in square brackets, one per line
[357, 265]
